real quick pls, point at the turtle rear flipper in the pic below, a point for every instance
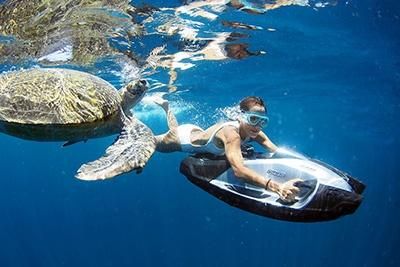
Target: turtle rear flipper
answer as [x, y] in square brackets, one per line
[133, 148]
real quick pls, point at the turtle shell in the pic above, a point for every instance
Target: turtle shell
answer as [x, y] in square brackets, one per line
[56, 96]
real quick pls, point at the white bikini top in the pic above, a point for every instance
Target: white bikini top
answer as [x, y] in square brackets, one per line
[211, 147]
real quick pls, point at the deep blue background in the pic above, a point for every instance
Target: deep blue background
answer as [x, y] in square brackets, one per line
[331, 79]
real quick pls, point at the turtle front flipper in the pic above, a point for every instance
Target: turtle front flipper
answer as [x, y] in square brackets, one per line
[133, 148]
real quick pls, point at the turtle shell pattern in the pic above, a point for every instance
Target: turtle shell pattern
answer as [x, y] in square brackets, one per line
[56, 96]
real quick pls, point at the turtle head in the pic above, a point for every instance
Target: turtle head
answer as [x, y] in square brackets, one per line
[132, 93]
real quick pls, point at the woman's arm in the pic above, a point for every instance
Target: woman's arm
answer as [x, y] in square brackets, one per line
[231, 140]
[263, 140]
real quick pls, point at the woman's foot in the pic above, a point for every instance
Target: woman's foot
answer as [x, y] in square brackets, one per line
[159, 100]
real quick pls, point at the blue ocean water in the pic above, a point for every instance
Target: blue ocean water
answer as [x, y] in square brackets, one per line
[331, 79]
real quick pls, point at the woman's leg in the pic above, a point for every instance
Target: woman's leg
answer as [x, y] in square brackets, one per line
[171, 119]
[168, 142]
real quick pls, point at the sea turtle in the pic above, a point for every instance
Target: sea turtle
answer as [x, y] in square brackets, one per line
[52, 104]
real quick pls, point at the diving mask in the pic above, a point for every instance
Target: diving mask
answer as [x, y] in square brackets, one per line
[255, 119]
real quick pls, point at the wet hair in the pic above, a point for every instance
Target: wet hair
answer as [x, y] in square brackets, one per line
[250, 101]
